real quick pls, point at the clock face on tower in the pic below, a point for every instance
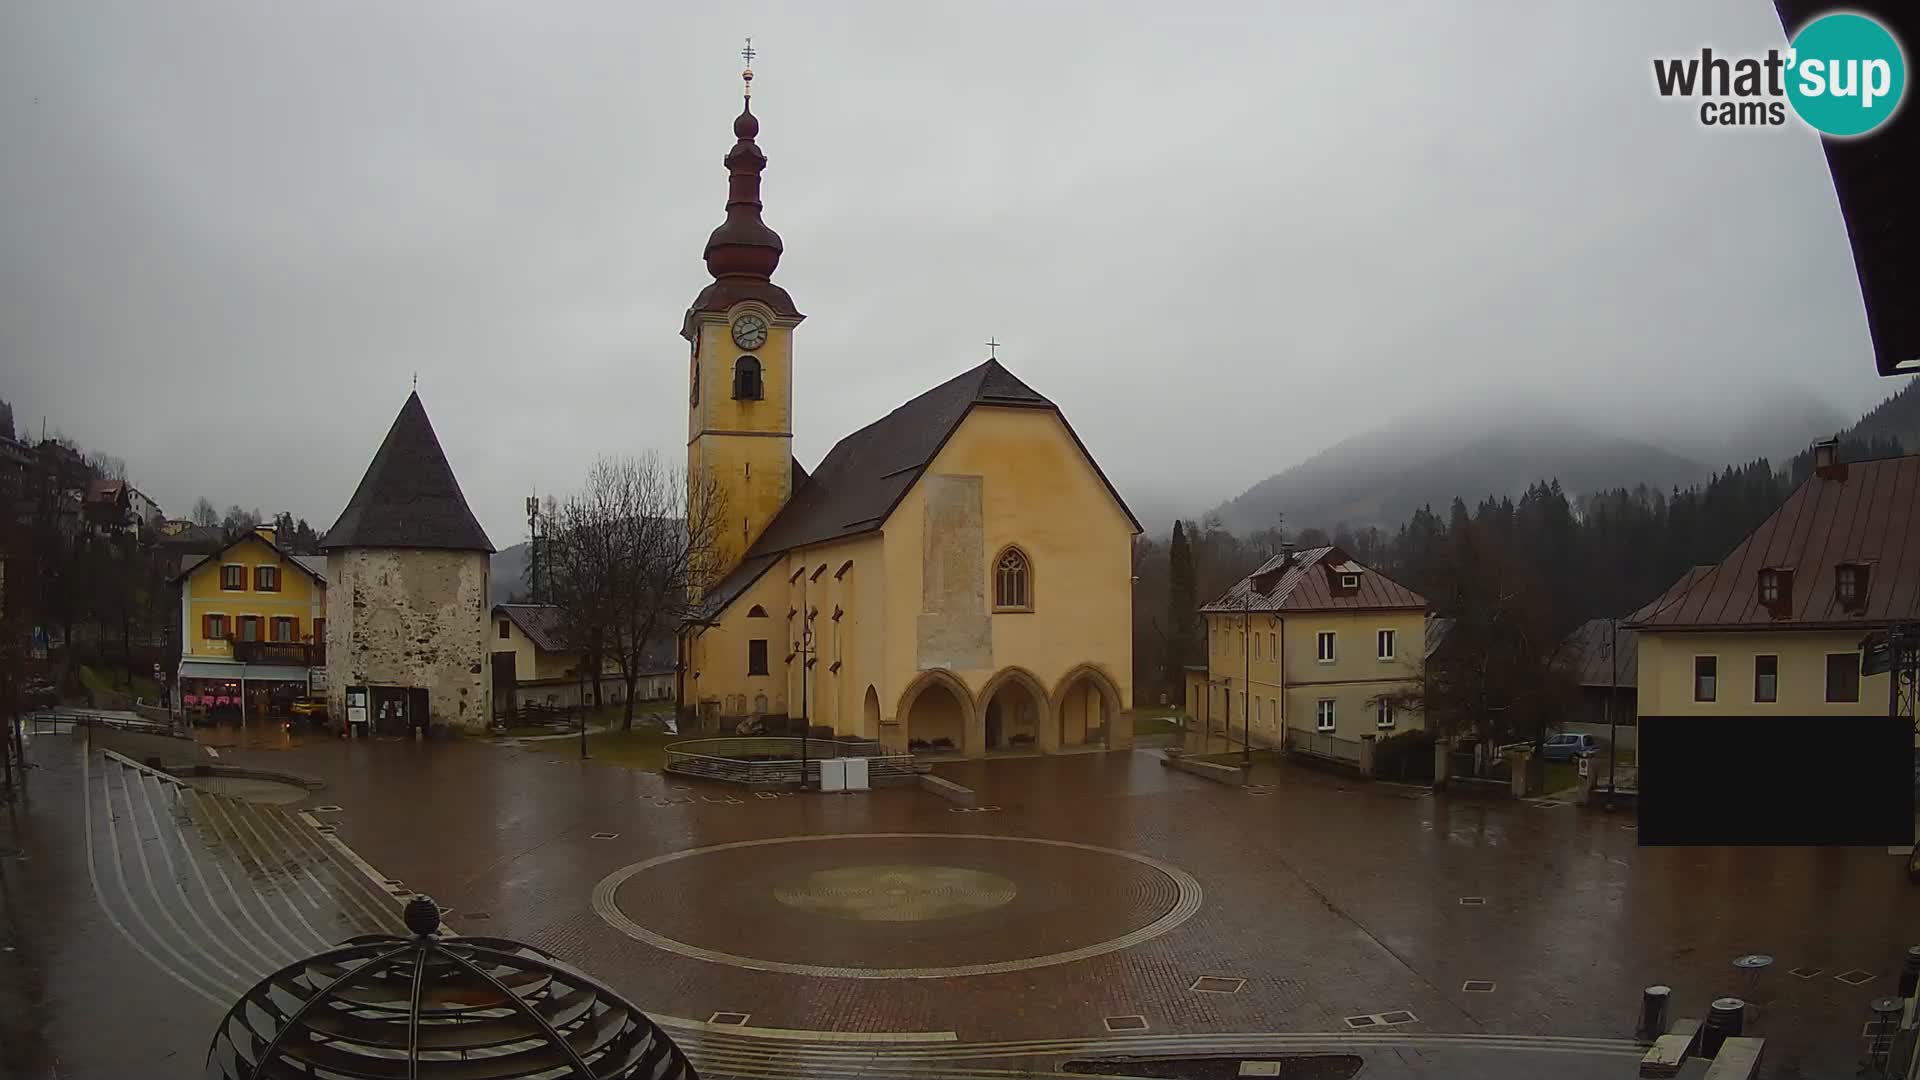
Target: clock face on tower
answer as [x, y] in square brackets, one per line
[749, 331]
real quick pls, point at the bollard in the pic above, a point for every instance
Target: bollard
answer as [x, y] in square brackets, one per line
[1653, 1011]
[1882, 1030]
[1910, 975]
[1724, 1019]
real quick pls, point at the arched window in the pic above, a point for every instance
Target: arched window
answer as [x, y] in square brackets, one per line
[756, 612]
[746, 379]
[1012, 581]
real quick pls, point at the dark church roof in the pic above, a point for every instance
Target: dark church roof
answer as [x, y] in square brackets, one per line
[867, 473]
[408, 498]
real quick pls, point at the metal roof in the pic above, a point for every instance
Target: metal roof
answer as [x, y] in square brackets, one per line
[1304, 583]
[1862, 512]
[544, 624]
[314, 565]
[867, 473]
[1587, 656]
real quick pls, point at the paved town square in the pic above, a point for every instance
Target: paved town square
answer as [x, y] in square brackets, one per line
[1091, 906]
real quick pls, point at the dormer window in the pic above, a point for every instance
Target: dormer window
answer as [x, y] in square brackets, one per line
[1349, 581]
[1850, 584]
[746, 379]
[1776, 590]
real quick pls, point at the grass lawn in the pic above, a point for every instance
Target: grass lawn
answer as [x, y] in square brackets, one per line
[1160, 720]
[107, 682]
[642, 748]
[1558, 776]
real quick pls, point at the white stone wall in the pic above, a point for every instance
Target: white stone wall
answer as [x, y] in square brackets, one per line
[411, 617]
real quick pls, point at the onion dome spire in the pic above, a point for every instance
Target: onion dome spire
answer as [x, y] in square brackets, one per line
[743, 246]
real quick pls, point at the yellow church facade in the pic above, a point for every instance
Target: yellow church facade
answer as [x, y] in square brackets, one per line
[954, 578]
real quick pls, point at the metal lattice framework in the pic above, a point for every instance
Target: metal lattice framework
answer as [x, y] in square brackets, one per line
[408, 1008]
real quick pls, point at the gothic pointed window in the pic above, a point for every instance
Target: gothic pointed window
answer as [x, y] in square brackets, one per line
[1012, 581]
[746, 379]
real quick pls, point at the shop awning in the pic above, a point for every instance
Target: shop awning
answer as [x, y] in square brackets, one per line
[202, 669]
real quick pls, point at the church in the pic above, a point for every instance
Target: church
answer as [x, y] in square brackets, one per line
[954, 578]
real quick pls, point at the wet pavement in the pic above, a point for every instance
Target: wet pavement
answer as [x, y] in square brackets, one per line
[1329, 912]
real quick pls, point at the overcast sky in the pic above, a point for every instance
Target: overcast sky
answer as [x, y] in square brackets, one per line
[1220, 236]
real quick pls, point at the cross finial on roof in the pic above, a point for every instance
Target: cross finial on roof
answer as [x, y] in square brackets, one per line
[746, 75]
[993, 349]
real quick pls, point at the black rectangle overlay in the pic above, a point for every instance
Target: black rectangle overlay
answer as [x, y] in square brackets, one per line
[1776, 780]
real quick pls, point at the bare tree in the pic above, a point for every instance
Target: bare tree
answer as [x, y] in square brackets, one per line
[624, 559]
[204, 512]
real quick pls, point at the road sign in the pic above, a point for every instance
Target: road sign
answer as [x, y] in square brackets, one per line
[1876, 657]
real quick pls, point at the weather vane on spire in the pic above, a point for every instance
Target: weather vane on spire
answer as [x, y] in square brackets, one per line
[746, 76]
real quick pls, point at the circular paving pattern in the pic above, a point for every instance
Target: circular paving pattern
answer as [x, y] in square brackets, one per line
[896, 905]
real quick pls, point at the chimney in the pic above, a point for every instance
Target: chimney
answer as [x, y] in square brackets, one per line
[1826, 460]
[264, 532]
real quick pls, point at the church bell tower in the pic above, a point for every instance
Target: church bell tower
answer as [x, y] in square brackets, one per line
[740, 371]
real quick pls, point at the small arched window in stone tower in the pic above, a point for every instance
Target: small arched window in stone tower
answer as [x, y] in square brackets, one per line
[746, 379]
[1012, 581]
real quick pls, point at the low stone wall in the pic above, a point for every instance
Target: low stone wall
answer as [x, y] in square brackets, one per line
[1231, 775]
[957, 794]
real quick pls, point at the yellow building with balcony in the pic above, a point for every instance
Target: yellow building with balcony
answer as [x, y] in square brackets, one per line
[1312, 651]
[252, 627]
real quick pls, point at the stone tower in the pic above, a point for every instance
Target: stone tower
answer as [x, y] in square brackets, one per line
[740, 374]
[407, 573]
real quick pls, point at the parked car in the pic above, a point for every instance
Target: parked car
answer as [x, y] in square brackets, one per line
[312, 709]
[39, 694]
[1567, 746]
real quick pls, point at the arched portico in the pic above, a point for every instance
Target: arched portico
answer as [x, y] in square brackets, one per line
[938, 713]
[1086, 705]
[1014, 711]
[870, 714]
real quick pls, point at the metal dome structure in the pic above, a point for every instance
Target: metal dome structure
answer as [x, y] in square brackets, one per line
[382, 1007]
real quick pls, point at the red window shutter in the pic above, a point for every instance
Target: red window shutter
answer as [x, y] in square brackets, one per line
[206, 626]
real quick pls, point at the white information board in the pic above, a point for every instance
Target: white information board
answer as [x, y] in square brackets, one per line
[833, 774]
[856, 773]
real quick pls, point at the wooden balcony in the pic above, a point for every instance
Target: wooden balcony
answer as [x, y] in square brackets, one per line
[292, 653]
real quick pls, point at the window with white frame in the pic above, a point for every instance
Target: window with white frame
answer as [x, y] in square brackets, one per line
[1323, 714]
[1383, 715]
[1324, 646]
[1384, 642]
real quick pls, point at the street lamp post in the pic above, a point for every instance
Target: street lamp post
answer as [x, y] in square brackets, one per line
[583, 708]
[804, 649]
[1613, 719]
[1246, 677]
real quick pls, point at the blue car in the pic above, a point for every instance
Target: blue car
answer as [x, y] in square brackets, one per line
[1567, 746]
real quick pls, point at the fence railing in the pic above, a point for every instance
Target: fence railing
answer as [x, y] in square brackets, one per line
[52, 722]
[769, 760]
[1323, 744]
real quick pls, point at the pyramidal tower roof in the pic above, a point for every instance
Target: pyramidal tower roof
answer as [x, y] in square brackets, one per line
[408, 498]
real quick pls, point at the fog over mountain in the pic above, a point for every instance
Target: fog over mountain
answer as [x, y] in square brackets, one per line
[1381, 475]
